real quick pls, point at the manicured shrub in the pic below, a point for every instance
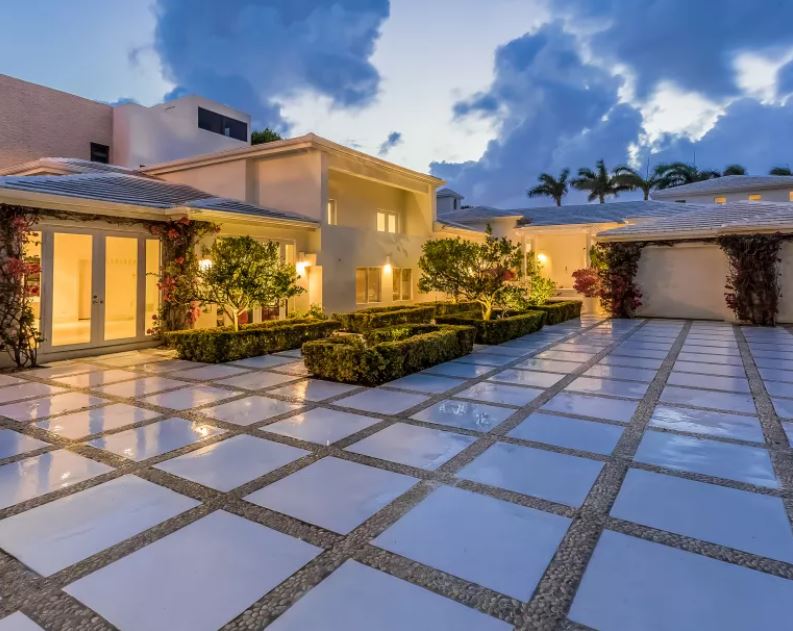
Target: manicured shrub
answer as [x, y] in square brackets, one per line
[385, 354]
[560, 311]
[224, 344]
[446, 307]
[503, 327]
[378, 317]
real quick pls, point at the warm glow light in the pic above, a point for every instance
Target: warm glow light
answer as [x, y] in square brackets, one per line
[387, 268]
[542, 258]
[300, 267]
[204, 264]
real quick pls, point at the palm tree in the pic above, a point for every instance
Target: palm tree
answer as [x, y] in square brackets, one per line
[600, 183]
[632, 179]
[734, 169]
[679, 173]
[549, 186]
[780, 171]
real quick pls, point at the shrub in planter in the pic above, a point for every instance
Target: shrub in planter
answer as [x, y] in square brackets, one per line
[560, 311]
[225, 344]
[385, 354]
[378, 317]
[504, 327]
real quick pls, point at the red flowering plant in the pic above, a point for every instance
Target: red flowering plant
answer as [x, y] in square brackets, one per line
[178, 277]
[19, 285]
[612, 278]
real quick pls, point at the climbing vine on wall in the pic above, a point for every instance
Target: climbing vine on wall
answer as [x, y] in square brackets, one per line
[612, 278]
[19, 286]
[752, 281]
[179, 273]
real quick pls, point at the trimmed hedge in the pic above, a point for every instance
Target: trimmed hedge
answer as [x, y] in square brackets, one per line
[379, 317]
[388, 354]
[223, 344]
[501, 329]
[446, 307]
[561, 310]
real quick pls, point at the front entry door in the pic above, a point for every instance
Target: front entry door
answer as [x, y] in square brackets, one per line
[97, 289]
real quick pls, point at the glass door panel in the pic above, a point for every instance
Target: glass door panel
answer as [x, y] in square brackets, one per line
[72, 277]
[152, 278]
[121, 288]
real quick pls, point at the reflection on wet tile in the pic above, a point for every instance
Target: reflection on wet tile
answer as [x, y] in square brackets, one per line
[593, 406]
[27, 390]
[707, 422]
[14, 443]
[727, 401]
[189, 397]
[138, 388]
[382, 401]
[532, 378]
[49, 406]
[464, 414]
[500, 393]
[250, 410]
[572, 433]
[321, 426]
[102, 419]
[425, 382]
[608, 387]
[313, 390]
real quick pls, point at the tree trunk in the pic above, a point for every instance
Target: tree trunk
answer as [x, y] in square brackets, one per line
[236, 320]
[558, 201]
[487, 311]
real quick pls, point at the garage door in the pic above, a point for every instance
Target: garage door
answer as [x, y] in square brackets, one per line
[683, 281]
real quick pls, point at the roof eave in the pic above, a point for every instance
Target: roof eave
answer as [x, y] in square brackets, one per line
[208, 214]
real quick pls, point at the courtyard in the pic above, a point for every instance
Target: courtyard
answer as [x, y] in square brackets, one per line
[599, 474]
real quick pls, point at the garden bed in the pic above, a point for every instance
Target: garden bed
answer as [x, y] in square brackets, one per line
[379, 317]
[502, 328]
[385, 354]
[223, 344]
[560, 310]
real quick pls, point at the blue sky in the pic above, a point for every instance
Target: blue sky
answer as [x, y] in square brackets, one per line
[485, 93]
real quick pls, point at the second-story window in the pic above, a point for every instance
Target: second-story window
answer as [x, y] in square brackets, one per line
[387, 221]
[231, 127]
[100, 153]
[719, 200]
[333, 213]
[755, 198]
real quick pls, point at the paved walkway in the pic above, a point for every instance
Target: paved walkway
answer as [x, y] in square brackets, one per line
[607, 475]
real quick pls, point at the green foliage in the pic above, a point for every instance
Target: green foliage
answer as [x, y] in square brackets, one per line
[560, 311]
[244, 273]
[445, 307]
[734, 169]
[679, 173]
[549, 186]
[251, 340]
[780, 171]
[619, 294]
[502, 328]
[264, 135]
[314, 311]
[753, 278]
[477, 272]
[387, 355]
[632, 180]
[378, 317]
[599, 183]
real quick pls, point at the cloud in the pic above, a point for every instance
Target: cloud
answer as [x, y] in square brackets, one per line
[554, 111]
[394, 139]
[248, 53]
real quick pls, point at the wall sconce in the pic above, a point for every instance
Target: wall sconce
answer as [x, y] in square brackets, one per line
[204, 264]
[542, 258]
[301, 267]
[387, 268]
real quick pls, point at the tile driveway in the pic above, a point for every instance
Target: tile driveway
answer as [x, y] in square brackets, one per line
[598, 474]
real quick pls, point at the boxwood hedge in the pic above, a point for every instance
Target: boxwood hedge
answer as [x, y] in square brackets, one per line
[378, 317]
[502, 328]
[561, 310]
[446, 307]
[224, 344]
[385, 354]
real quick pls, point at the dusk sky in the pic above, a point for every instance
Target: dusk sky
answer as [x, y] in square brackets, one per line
[484, 93]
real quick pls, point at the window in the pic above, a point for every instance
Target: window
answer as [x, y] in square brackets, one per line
[790, 196]
[386, 221]
[755, 198]
[402, 280]
[231, 127]
[367, 285]
[333, 213]
[100, 153]
[719, 200]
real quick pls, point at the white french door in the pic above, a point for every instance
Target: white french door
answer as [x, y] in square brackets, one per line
[99, 288]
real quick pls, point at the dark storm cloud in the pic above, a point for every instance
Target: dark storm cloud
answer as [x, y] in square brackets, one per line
[394, 139]
[246, 52]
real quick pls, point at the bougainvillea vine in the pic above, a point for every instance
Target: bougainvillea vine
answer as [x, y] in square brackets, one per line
[613, 278]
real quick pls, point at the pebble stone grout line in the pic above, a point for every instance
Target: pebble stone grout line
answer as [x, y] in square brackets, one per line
[355, 545]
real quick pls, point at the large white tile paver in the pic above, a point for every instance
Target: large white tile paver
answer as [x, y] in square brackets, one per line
[500, 393]
[209, 373]
[155, 439]
[464, 414]
[751, 465]
[195, 579]
[727, 401]
[227, 464]
[502, 546]
[621, 372]
[189, 397]
[425, 382]
[413, 446]
[321, 425]
[532, 378]
[27, 390]
[14, 443]
[31, 477]
[608, 387]
[56, 535]
[548, 365]
[593, 406]
[313, 390]
[635, 584]
[358, 598]
[137, 388]
[250, 410]
[256, 380]
[96, 420]
[707, 422]
[456, 369]
[49, 406]
[381, 401]
[264, 361]
[545, 474]
[18, 621]
[97, 378]
[332, 493]
[730, 517]
[573, 433]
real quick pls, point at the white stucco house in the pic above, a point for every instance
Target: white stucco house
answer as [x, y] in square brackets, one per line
[731, 188]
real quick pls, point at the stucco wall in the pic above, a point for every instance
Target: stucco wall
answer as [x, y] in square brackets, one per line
[775, 195]
[564, 252]
[37, 122]
[293, 183]
[226, 179]
[683, 281]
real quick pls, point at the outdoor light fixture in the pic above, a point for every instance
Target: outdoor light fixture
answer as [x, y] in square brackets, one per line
[542, 258]
[300, 267]
[387, 267]
[204, 264]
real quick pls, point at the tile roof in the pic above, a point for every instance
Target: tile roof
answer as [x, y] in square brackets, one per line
[477, 214]
[447, 192]
[708, 220]
[136, 190]
[68, 165]
[726, 184]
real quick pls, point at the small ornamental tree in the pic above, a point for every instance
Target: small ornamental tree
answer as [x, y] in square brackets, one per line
[243, 273]
[532, 288]
[477, 272]
[612, 278]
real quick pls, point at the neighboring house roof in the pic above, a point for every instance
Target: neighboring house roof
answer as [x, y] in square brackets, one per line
[709, 220]
[58, 166]
[477, 214]
[136, 190]
[447, 192]
[443, 223]
[726, 184]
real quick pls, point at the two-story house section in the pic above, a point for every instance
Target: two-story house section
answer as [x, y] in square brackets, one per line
[374, 216]
[731, 188]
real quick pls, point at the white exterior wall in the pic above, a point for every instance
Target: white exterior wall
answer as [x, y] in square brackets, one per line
[770, 195]
[168, 131]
